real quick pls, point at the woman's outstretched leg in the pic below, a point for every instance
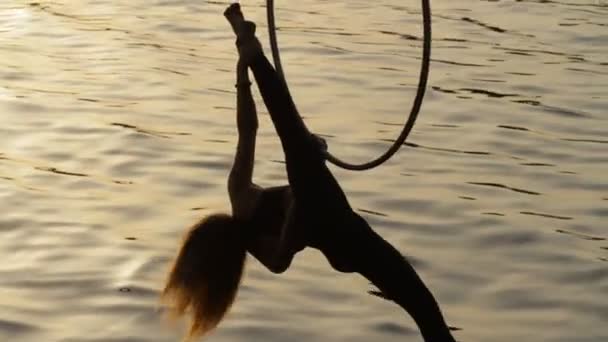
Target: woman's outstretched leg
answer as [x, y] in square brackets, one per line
[289, 125]
[308, 175]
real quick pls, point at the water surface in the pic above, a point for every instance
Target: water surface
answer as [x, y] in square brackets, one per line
[118, 131]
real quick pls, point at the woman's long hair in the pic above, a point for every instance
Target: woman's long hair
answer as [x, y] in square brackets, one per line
[206, 273]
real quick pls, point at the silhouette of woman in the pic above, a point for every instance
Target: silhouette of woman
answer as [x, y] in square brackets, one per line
[274, 224]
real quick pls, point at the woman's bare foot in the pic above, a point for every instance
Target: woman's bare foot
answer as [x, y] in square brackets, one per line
[235, 16]
[248, 45]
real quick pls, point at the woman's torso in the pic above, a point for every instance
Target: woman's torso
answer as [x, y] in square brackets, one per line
[270, 210]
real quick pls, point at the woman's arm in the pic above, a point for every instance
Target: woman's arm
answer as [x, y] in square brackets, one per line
[240, 184]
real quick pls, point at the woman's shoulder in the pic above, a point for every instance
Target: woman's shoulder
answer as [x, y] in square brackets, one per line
[244, 202]
[247, 202]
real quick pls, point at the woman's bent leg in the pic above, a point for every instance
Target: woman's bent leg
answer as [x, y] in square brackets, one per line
[289, 125]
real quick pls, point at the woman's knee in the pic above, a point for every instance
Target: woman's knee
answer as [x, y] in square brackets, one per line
[341, 264]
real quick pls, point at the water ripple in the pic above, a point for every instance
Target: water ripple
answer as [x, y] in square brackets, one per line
[557, 217]
[581, 236]
[502, 186]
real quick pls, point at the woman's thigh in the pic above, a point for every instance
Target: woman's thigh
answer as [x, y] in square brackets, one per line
[312, 183]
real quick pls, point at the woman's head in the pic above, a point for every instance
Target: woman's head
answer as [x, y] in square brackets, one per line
[207, 271]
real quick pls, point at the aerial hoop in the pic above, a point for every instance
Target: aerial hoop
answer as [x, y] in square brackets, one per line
[422, 82]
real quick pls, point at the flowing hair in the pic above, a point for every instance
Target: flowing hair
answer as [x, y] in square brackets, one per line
[206, 274]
